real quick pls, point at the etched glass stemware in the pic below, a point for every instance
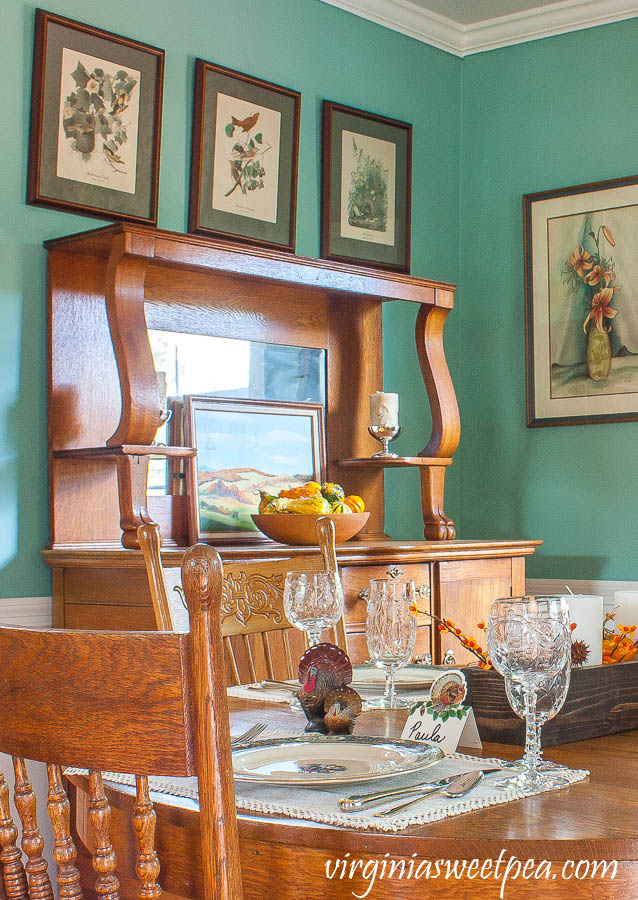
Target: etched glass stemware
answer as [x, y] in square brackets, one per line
[391, 632]
[550, 698]
[529, 642]
[313, 601]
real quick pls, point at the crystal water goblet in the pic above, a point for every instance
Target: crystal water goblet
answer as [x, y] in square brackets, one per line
[529, 642]
[391, 633]
[313, 601]
[550, 698]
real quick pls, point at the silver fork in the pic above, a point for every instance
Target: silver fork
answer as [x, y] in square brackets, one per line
[249, 735]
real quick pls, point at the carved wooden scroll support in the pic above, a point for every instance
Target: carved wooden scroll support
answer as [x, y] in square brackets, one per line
[140, 416]
[446, 423]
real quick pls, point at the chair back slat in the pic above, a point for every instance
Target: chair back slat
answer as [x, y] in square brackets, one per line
[141, 707]
[144, 820]
[32, 841]
[64, 850]
[107, 885]
[202, 574]
[15, 878]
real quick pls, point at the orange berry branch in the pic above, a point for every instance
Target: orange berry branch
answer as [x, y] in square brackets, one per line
[447, 625]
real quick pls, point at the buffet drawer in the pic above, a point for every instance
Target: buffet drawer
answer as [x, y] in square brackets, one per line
[356, 579]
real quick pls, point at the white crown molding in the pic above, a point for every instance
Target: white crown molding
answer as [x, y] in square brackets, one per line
[462, 40]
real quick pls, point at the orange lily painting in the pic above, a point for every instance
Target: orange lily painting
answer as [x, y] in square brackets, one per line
[582, 303]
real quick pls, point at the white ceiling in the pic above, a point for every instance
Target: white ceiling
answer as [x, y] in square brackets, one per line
[472, 26]
[466, 12]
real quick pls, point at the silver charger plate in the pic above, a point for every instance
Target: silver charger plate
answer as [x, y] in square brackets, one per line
[330, 759]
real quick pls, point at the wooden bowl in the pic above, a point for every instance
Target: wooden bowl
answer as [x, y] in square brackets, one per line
[298, 529]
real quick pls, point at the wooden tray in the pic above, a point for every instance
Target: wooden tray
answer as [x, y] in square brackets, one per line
[601, 700]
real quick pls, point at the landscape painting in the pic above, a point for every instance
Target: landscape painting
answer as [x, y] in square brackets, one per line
[582, 303]
[244, 447]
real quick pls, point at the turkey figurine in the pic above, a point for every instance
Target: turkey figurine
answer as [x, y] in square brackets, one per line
[330, 706]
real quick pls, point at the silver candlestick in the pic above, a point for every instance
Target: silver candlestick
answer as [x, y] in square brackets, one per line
[384, 434]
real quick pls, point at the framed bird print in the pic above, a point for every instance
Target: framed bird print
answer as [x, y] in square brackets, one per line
[244, 158]
[96, 111]
[366, 188]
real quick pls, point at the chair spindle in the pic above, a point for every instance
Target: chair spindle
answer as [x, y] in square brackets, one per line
[64, 851]
[15, 878]
[107, 885]
[148, 865]
[40, 887]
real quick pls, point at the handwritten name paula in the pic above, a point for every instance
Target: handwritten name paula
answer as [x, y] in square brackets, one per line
[434, 736]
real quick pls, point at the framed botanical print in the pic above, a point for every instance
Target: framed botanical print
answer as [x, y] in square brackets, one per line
[581, 290]
[244, 447]
[244, 158]
[366, 188]
[96, 110]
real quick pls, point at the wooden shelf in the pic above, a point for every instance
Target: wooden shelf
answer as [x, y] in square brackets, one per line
[124, 450]
[395, 463]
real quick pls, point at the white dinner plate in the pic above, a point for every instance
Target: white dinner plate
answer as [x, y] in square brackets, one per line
[408, 678]
[330, 759]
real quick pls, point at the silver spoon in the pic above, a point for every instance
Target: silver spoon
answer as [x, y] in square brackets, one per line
[461, 785]
[359, 801]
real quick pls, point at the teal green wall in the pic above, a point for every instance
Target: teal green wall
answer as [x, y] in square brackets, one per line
[551, 113]
[305, 44]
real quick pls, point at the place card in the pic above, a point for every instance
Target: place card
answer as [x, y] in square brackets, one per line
[444, 720]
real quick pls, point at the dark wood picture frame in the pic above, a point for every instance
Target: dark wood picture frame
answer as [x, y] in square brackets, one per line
[53, 154]
[192, 404]
[386, 244]
[568, 261]
[265, 219]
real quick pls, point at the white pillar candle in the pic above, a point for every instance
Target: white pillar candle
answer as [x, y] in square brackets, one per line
[625, 608]
[586, 611]
[384, 409]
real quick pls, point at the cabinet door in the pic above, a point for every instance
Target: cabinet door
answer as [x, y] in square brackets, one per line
[466, 589]
[355, 581]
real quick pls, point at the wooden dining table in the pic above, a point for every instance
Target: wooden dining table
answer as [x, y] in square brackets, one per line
[551, 845]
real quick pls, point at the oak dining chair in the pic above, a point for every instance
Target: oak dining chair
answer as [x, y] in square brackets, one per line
[132, 702]
[259, 641]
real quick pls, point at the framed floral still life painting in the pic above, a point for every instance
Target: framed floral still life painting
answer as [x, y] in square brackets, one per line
[244, 158]
[366, 188]
[581, 288]
[245, 447]
[96, 109]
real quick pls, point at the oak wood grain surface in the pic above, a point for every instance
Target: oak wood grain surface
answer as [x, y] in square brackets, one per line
[592, 820]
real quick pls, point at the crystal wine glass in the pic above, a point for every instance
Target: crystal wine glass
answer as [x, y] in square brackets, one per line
[529, 642]
[313, 601]
[550, 698]
[390, 632]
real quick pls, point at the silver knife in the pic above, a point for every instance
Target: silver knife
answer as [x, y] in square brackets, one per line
[458, 787]
[359, 801]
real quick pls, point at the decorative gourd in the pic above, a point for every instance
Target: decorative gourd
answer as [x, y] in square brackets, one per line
[314, 506]
[265, 501]
[332, 492]
[355, 503]
[340, 507]
[309, 489]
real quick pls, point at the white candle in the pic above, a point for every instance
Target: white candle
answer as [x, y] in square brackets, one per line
[625, 608]
[586, 611]
[384, 409]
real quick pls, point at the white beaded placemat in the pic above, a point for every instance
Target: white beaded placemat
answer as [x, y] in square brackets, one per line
[272, 695]
[320, 804]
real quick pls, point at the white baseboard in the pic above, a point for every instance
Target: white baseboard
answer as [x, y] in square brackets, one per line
[35, 611]
[559, 586]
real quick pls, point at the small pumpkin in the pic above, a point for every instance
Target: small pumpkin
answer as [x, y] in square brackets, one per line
[333, 493]
[309, 489]
[355, 503]
[340, 507]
